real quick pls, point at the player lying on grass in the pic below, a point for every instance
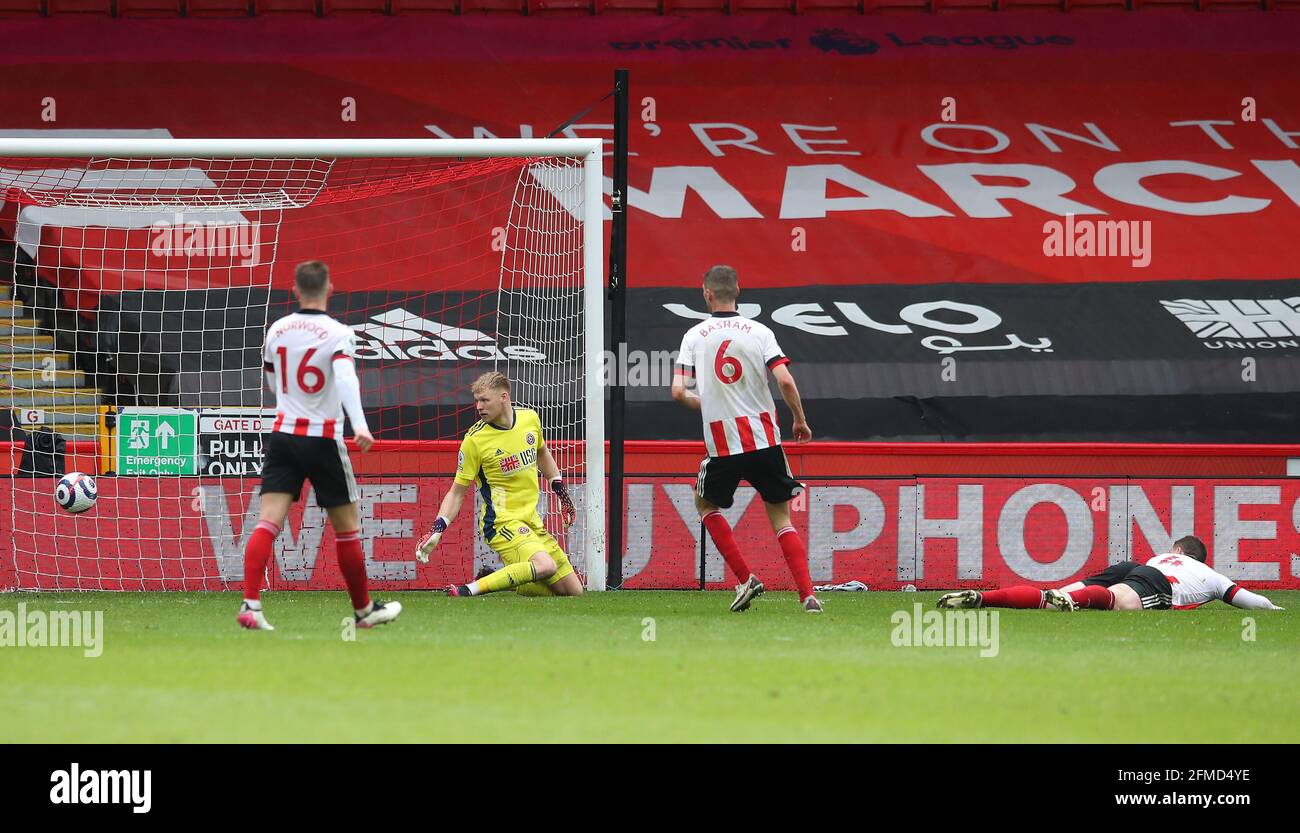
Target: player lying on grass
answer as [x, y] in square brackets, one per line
[309, 363]
[1179, 579]
[729, 358]
[503, 453]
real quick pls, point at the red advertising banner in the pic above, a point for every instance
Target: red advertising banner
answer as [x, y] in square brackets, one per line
[821, 149]
[189, 533]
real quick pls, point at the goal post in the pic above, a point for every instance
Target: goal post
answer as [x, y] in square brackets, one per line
[101, 313]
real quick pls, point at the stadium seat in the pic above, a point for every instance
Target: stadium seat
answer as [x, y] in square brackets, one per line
[839, 6]
[489, 6]
[965, 5]
[1007, 5]
[1085, 5]
[355, 7]
[150, 8]
[683, 6]
[603, 6]
[311, 7]
[21, 8]
[220, 8]
[104, 7]
[437, 6]
[558, 6]
[900, 5]
[786, 6]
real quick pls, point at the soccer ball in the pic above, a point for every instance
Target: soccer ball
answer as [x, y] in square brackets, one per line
[76, 492]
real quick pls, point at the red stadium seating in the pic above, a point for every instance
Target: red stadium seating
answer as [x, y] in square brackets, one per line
[219, 8]
[559, 6]
[443, 6]
[1008, 5]
[965, 5]
[839, 6]
[150, 8]
[627, 6]
[1108, 5]
[899, 5]
[104, 7]
[323, 8]
[288, 6]
[21, 8]
[481, 6]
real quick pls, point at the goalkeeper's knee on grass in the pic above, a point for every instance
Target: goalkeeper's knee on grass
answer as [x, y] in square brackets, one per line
[539, 567]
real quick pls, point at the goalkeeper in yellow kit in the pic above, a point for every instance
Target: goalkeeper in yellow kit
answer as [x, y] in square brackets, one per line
[503, 454]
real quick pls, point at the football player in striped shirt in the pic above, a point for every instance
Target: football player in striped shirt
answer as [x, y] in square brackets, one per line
[729, 358]
[1177, 580]
[503, 453]
[309, 362]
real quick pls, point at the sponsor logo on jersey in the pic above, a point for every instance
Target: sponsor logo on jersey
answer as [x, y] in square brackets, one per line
[399, 334]
[518, 462]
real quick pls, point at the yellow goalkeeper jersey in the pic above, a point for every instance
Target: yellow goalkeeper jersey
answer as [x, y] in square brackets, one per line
[503, 464]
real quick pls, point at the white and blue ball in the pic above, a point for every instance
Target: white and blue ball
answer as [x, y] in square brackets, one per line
[76, 492]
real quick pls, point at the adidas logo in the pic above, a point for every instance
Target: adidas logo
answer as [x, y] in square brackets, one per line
[400, 334]
[500, 452]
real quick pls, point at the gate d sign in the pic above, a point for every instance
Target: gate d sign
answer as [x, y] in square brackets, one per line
[156, 442]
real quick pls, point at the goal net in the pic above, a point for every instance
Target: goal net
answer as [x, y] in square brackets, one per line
[138, 278]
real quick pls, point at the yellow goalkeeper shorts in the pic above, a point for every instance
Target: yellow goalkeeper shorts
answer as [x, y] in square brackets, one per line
[520, 542]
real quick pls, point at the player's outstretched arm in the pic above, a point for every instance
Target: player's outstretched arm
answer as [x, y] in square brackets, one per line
[790, 393]
[447, 512]
[689, 398]
[1251, 601]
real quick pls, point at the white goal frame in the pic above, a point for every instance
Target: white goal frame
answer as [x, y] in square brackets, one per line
[589, 151]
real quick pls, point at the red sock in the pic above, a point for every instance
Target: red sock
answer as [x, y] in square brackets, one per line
[1021, 596]
[796, 558]
[352, 563]
[1094, 596]
[720, 532]
[256, 553]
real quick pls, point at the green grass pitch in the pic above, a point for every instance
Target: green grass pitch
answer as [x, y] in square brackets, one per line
[176, 667]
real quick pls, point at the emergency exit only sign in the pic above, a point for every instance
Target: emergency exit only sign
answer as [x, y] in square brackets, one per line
[154, 441]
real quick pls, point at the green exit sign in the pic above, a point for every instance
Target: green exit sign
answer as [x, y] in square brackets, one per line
[156, 441]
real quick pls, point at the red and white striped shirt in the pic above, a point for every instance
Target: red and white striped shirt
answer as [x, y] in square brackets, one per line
[1193, 583]
[299, 356]
[729, 356]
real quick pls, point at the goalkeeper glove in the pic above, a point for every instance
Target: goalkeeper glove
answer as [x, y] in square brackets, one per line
[566, 504]
[428, 542]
